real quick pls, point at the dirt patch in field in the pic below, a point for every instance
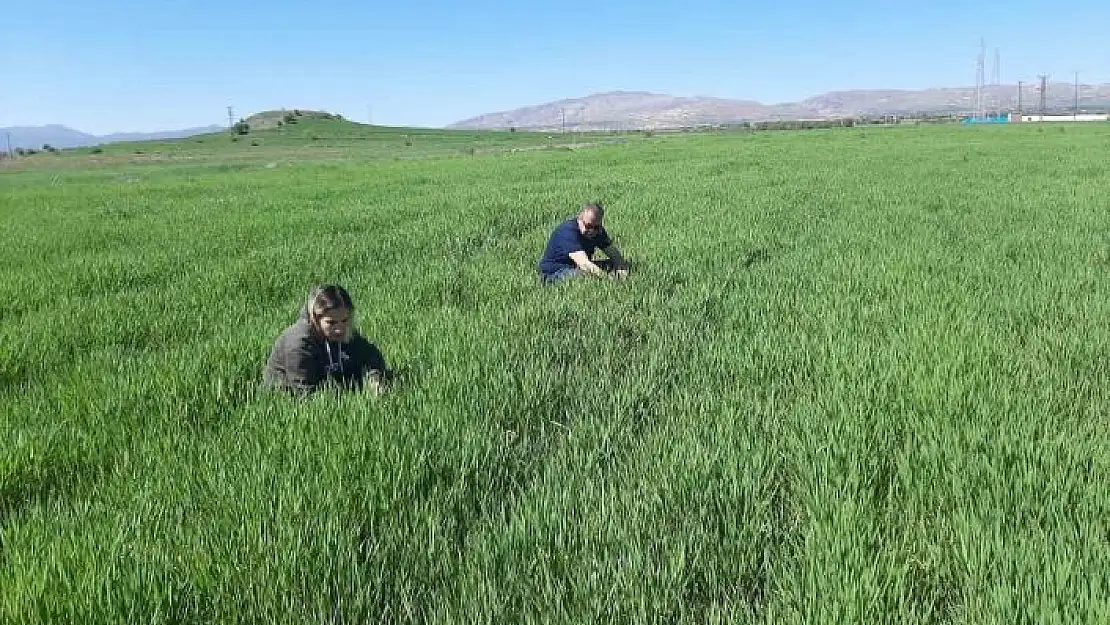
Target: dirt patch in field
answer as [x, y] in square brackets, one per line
[553, 146]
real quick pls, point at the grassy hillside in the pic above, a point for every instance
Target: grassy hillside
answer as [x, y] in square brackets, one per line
[310, 138]
[859, 376]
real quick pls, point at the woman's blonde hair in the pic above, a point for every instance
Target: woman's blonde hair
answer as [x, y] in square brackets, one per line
[327, 297]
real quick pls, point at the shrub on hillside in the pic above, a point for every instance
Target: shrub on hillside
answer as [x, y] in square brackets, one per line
[241, 128]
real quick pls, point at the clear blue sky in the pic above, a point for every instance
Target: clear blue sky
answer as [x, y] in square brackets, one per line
[138, 65]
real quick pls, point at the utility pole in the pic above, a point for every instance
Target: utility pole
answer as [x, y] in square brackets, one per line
[980, 75]
[996, 81]
[563, 113]
[230, 118]
[1020, 83]
[11, 154]
[1075, 115]
[1044, 94]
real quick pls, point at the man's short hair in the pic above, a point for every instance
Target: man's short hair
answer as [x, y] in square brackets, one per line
[593, 207]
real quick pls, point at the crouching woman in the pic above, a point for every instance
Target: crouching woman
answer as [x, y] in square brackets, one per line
[323, 349]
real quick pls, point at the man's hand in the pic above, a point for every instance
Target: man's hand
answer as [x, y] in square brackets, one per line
[375, 382]
[586, 265]
[620, 265]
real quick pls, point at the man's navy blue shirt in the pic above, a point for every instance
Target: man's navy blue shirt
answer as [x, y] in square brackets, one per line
[565, 240]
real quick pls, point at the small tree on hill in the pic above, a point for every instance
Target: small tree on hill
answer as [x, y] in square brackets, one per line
[241, 128]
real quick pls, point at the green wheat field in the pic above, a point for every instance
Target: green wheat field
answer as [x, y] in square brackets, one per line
[859, 376]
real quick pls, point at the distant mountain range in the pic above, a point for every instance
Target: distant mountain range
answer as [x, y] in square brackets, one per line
[64, 137]
[641, 109]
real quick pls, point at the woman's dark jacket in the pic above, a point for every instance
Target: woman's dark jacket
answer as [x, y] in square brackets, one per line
[302, 361]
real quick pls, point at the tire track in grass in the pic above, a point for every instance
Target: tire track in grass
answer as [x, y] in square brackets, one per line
[654, 528]
[744, 386]
[751, 375]
[683, 491]
[464, 477]
[728, 570]
[613, 451]
[525, 412]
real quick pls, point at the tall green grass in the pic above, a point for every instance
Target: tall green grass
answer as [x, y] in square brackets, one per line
[859, 376]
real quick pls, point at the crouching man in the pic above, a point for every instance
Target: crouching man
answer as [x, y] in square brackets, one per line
[570, 249]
